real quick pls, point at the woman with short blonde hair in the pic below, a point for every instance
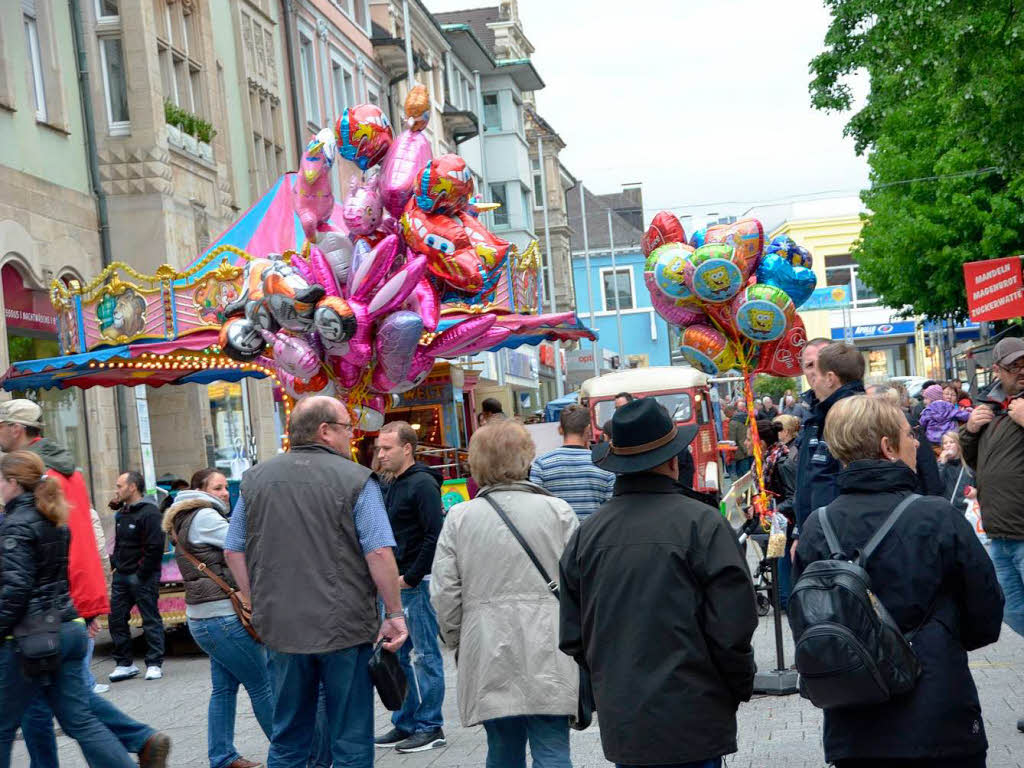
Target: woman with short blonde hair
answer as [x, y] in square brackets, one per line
[929, 571]
[494, 608]
[789, 427]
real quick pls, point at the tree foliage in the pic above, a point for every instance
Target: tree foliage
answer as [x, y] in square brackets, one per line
[943, 127]
[775, 387]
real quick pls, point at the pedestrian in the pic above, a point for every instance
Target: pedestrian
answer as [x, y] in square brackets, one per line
[767, 411]
[34, 553]
[919, 404]
[962, 398]
[788, 405]
[929, 477]
[939, 416]
[789, 428]
[138, 555]
[837, 372]
[496, 611]
[934, 578]
[310, 547]
[737, 434]
[414, 507]
[993, 446]
[780, 483]
[197, 521]
[568, 472]
[490, 408]
[622, 399]
[957, 477]
[658, 573]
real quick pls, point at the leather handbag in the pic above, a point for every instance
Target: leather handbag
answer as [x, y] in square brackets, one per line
[388, 677]
[585, 703]
[37, 637]
[242, 609]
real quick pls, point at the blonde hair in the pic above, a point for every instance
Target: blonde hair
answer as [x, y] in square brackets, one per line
[955, 436]
[788, 422]
[856, 425]
[500, 452]
[27, 470]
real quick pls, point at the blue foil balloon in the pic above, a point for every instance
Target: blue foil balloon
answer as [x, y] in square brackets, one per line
[797, 282]
[786, 247]
[697, 238]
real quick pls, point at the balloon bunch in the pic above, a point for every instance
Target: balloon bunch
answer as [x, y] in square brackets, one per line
[733, 297]
[355, 312]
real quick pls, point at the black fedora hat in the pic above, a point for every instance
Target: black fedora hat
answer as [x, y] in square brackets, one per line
[643, 436]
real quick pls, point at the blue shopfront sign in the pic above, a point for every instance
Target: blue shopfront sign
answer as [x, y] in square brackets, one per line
[874, 331]
[828, 297]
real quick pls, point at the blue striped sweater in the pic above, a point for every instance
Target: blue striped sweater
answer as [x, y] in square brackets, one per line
[569, 474]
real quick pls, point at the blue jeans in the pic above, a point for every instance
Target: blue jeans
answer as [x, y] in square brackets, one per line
[90, 679]
[548, 736]
[235, 659]
[1008, 558]
[716, 763]
[420, 657]
[296, 680]
[67, 696]
[320, 750]
[785, 570]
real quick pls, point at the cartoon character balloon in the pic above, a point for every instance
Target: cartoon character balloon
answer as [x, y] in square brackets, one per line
[707, 349]
[444, 185]
[717, 273]
[762, 312]
[363, 135]
[362, 211]
[311, 196]
[669, 265]
[746, 237]
[445, 242]
[679, 312]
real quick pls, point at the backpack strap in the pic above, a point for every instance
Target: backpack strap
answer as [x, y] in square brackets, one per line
[834, 548]
[880, 534]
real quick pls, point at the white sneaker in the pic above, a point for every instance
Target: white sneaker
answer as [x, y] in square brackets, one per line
[123, 673]
[100, 688]
[154, 673]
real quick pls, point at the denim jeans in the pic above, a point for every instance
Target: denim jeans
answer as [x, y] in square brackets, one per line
[420, 657]
[1008, 558]
[548, 736]
[127, 590]
[715, 763]
[41, 742]
[320, 750]
[785, 571]
[90, 679]
[67, 696]
[296, 680]
[235, 659]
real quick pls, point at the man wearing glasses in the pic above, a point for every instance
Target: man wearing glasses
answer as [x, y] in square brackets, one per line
[993, 446]
[311, 544]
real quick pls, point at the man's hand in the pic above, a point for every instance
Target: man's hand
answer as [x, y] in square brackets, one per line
[792, 550]
[93, 627]
[394, 633]
[1016, 411]
[982, 415]
[402, 584]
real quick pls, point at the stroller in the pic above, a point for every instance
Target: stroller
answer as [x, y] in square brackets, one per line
[761, 573]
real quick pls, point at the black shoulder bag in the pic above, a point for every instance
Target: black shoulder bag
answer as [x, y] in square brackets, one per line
[37, 637]
[585, 704]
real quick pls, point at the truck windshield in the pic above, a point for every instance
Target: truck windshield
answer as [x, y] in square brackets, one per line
[678, 404]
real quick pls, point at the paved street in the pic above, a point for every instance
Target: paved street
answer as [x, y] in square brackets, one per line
[773, 731]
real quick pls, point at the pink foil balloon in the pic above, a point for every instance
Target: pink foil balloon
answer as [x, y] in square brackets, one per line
[362, 212]
[293, 354]
[400, 169]
[322, 272]
[674, 311]
[395, 344]
[312, 197]
[425, 302]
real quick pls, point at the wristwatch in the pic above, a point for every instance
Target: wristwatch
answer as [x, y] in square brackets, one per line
[395, 615]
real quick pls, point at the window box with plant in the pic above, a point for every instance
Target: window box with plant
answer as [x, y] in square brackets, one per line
[189, 132]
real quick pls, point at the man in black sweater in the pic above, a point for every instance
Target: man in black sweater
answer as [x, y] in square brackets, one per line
[414, 508]
[138, 550]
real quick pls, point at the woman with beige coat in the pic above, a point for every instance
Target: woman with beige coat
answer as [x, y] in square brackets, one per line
[495, 610]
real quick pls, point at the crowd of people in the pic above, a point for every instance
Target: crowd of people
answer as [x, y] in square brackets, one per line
[591, 577]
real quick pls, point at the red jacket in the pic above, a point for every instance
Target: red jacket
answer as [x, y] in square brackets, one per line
[85, 569]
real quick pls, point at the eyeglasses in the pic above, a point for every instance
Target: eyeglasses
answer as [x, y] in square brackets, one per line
[343, 424]
[1016, 367]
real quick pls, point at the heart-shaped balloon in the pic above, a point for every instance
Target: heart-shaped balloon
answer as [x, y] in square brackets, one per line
[670, 264]
[707, 349]
[762, 312]
[782, 356]
[717, 273]
[746, 236]
[797, 282]
[674, 311]
[665, 228]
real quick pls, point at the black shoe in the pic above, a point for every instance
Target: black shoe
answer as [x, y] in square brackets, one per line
[1020, 725]
[421, 742]
[392, 737]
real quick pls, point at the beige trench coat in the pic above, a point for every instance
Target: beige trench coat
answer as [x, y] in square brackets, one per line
[495, 610]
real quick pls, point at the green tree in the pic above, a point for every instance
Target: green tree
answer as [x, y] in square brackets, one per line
[775, 387]
[943, 126]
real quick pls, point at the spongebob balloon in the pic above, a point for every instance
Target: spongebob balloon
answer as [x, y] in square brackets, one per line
[717, 274]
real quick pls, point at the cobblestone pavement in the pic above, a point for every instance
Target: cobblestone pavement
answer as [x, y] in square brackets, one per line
[773, 731]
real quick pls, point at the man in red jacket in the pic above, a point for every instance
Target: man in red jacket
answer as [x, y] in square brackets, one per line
[21, 430]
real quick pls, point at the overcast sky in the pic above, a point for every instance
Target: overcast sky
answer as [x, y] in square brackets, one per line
[703, 101]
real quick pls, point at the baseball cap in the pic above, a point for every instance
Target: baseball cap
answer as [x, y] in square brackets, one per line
[21, 412]
[1008, 350]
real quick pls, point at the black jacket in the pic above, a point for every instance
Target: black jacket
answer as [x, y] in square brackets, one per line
[414, 508]
[929, 481]
[664, 622]
[816, 467]
[930, 561]
[138, 540]
[33, 565]
[956, 476]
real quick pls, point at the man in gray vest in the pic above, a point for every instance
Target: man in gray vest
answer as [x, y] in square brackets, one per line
[310, 544]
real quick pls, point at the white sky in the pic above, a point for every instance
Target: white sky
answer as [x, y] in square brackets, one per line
[703, 101]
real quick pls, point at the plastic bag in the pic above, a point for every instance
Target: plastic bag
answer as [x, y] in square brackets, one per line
[973, 515]
[777, 536]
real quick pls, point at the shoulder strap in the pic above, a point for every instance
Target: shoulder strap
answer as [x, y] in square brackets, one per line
[201, 567]
[956, 487]
[551, 584]
[881, 533]
[834, 548]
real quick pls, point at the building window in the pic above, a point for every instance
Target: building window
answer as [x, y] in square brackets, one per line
[107, 10]
[343, 84]
[847, 274]
[527, 208]
[498, 195]
[112, 61]
[492, 112]
[372, 95]
[517, 115]
[307, 63]
[34, 56]
[538, 189]
[267, 137]
[620, 281]
[179, 50]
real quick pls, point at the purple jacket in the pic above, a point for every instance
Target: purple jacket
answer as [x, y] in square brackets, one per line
[939, 418]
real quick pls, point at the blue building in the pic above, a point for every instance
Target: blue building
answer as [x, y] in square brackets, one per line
[645, 336]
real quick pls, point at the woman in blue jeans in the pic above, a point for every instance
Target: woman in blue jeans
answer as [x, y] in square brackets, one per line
[198, 524]
[34, 543]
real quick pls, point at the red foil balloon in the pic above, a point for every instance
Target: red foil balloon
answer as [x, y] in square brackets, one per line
[364, 135]
[746, 236]
[444, 185]
[443, 239]
[665, 228]
[782, 356]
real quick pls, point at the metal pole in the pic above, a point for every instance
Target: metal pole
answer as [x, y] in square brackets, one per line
[615, 277]
[408, 44]
[559, 384]
[485, 193]
[586, 261]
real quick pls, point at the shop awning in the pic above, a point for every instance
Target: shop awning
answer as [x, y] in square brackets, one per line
[555, 407]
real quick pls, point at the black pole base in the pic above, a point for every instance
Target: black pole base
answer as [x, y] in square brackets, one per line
[778, 682]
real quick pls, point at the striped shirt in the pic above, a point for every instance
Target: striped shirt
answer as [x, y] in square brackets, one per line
[569, 474]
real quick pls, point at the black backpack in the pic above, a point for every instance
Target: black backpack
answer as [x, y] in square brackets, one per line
[849, 651]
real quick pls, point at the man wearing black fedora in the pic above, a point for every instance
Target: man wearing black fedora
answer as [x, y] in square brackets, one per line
[666, 619]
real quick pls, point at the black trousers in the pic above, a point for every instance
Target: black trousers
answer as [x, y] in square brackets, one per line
[967, 761]
[127, 590]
